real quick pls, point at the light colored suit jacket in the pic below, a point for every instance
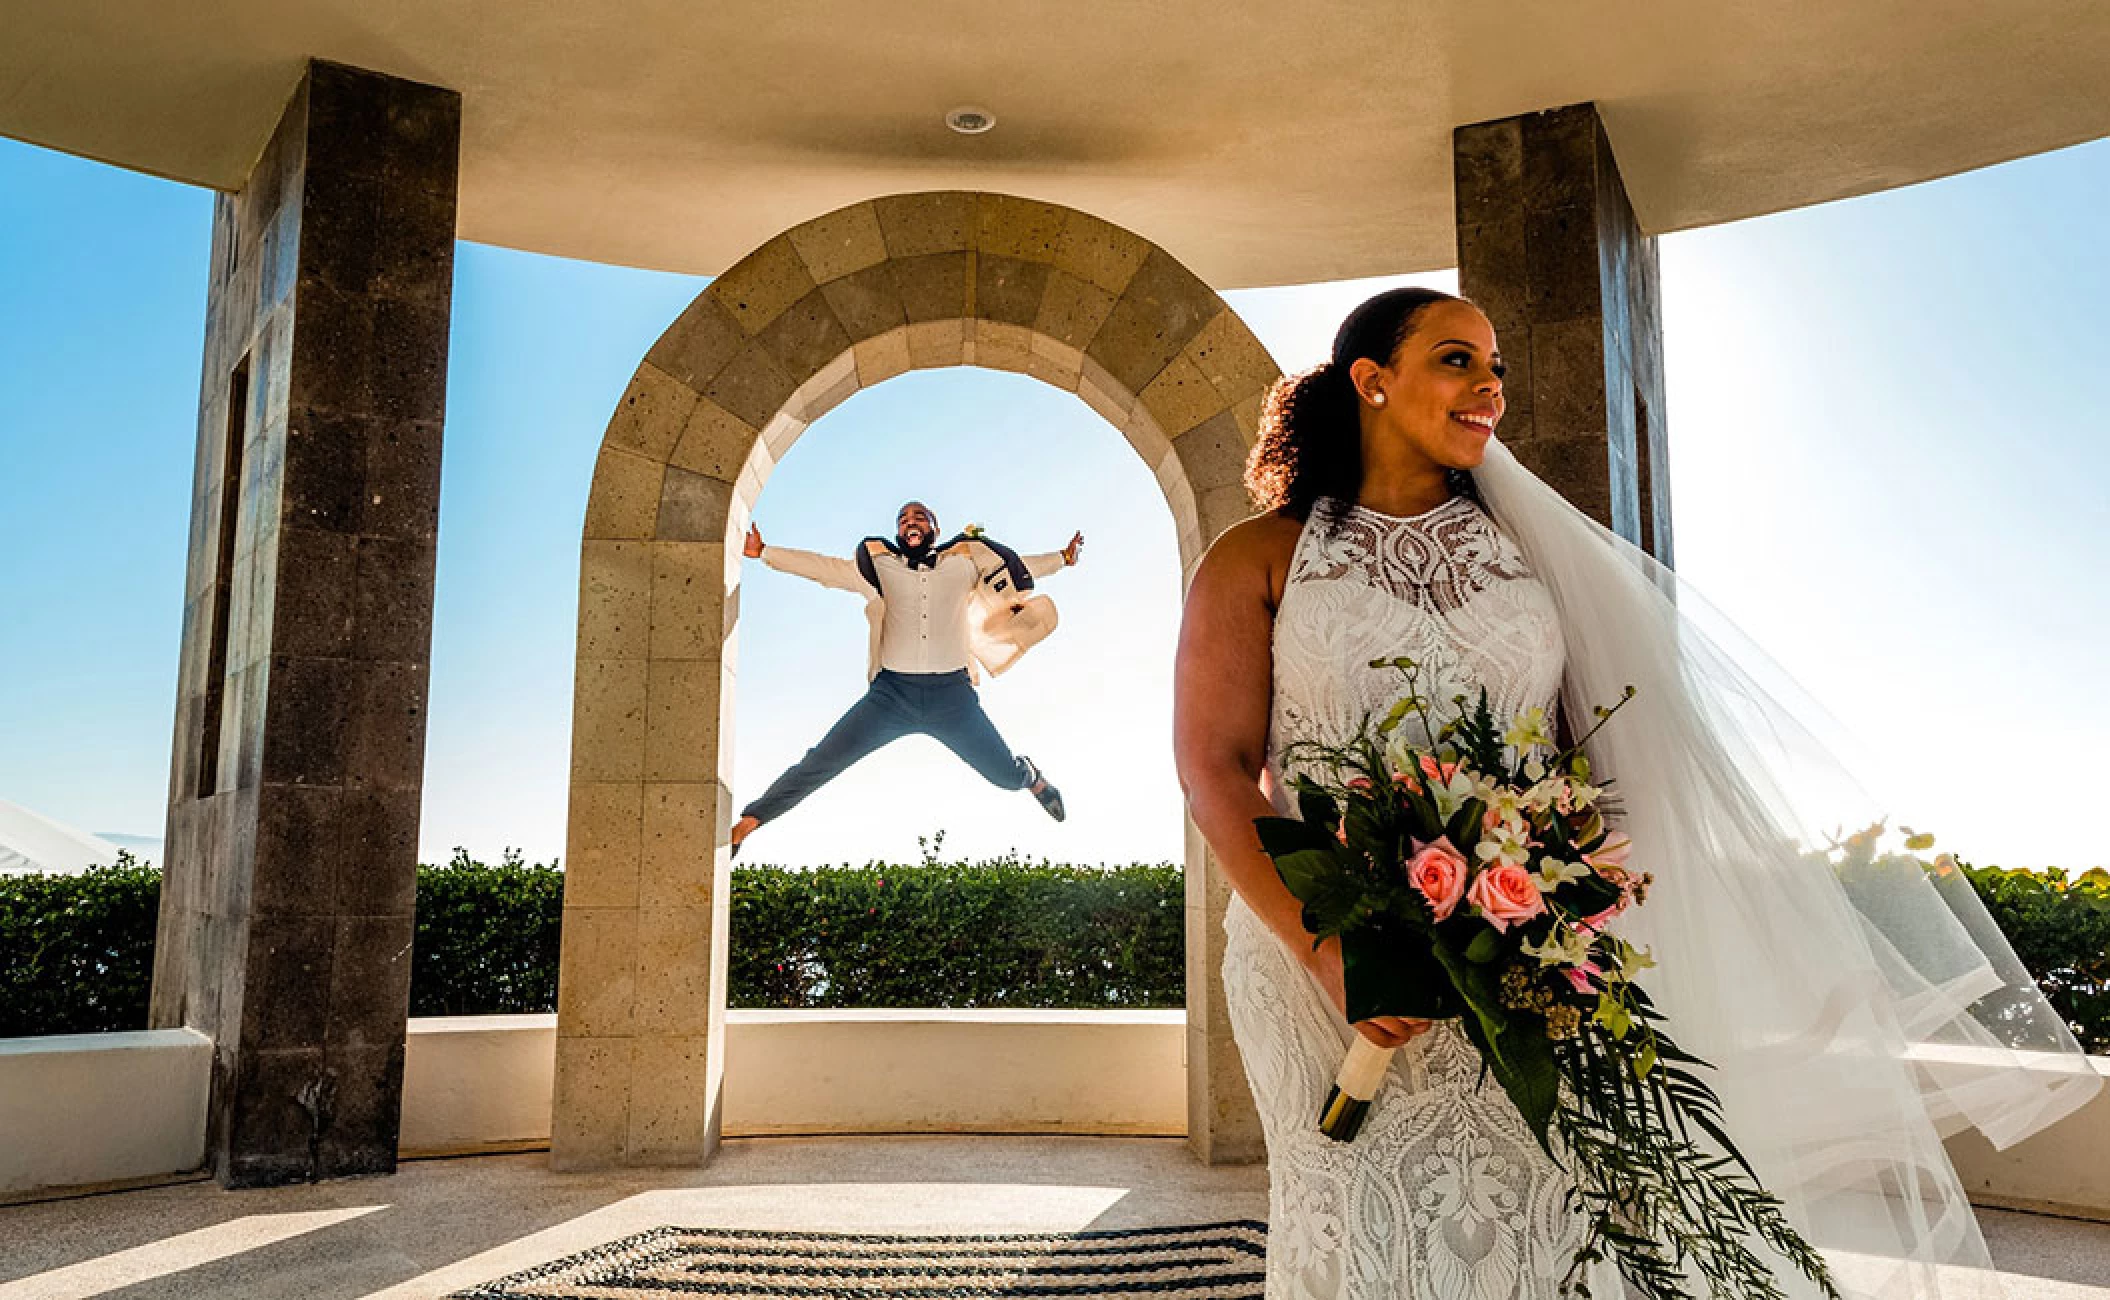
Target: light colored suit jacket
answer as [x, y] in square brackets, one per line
[1002, 624]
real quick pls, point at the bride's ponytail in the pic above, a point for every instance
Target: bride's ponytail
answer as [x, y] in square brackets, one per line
[1310, 441]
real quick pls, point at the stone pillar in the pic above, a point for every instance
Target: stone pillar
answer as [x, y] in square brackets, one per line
[291, 872]
[1223, 1124]
[1548, 246]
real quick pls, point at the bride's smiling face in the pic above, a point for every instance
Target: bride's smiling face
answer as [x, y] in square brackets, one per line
[1442, 392]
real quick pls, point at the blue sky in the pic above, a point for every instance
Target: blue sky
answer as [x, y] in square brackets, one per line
[1887, 421]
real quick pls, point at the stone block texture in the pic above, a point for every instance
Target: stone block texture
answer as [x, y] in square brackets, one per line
[286, 914]
[1549, 247]
[843, 302]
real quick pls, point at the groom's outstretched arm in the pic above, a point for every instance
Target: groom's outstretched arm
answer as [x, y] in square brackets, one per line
[1040, 566]
[827, 570]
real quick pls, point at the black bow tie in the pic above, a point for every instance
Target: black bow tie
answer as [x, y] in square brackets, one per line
[919, 557]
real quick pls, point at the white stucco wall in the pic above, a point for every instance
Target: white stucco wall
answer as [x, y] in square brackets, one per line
[477, 1083]
[2064, 1169]
[100, 1108]
[1108, 1072]
[77, 1109]
[483, 1082]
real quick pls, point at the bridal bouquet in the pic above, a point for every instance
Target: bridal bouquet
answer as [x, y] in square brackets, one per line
[1477, 879]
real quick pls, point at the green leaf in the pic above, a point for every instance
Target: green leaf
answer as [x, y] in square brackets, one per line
[1477, 986]
[1464, 827]
[1368, 831]
[1392, 971]
[1421, 820]
[1317, 808]
[1612, 1014]
[1522, 1062]
[1588, 895]
[1316, 878]
[1530, 1075]
[1281, 836]
[1485, 947]
[1670, 1051]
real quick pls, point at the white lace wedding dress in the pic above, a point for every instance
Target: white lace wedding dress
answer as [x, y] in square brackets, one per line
[1444, 1195]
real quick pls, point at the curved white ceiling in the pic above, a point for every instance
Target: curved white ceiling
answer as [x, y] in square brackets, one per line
[1262, 143]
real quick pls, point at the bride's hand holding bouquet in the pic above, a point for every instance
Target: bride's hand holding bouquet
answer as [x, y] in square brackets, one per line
[1383, 1032]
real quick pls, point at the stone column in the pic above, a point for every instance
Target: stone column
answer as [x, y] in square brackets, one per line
[1548, 246]
[1223, 1124]
[291, 872]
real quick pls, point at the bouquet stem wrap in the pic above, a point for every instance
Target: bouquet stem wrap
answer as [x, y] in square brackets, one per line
[1362, 1070]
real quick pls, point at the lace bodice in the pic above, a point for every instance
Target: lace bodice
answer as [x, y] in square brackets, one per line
[1446, 588]
[1444, 1194]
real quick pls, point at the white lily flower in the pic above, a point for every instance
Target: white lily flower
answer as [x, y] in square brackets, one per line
[1544, 793]
[1508, 803]
[1508, 843]
[1564, 947]
[1402, 755]
[1553, 875]
[1528, 730]
[1455, 793]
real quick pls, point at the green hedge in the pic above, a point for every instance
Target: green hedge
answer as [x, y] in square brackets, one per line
[985, 934]
[2061, 930]
[76, 951]
[486, 941]
[1003, 933]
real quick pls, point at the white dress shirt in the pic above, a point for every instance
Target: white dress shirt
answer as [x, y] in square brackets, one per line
[920, 623]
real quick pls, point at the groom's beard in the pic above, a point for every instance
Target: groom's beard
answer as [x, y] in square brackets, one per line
[919, 555]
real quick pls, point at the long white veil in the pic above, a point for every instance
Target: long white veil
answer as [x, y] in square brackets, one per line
[1854, 1016]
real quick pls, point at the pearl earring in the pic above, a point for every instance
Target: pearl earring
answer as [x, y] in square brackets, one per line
[1377, 399]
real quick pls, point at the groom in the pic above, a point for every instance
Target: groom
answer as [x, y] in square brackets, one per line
[936, 612]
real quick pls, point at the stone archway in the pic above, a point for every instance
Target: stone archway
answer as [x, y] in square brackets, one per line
[843, 302]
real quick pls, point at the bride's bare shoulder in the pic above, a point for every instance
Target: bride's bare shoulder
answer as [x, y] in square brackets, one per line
[1264, 537]
[1258, 549]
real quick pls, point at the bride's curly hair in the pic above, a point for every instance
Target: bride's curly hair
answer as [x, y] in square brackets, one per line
[1310, 443]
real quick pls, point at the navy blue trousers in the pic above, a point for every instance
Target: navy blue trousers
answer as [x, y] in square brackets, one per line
[943, 706]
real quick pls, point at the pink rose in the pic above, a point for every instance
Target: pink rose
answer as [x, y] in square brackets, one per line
[1438, 871]
[1506, 894]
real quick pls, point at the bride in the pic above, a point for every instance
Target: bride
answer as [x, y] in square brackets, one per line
[1852, 1020]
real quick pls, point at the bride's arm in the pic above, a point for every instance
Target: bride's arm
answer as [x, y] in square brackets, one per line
[1222, 689]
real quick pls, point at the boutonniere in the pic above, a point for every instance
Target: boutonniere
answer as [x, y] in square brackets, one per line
[971, 530]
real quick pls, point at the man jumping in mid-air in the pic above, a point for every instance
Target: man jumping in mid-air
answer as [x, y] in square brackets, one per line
[936, 611]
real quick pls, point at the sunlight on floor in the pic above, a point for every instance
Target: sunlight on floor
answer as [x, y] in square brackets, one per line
[458, 1223]
[188, 1250]
[809, 1207]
